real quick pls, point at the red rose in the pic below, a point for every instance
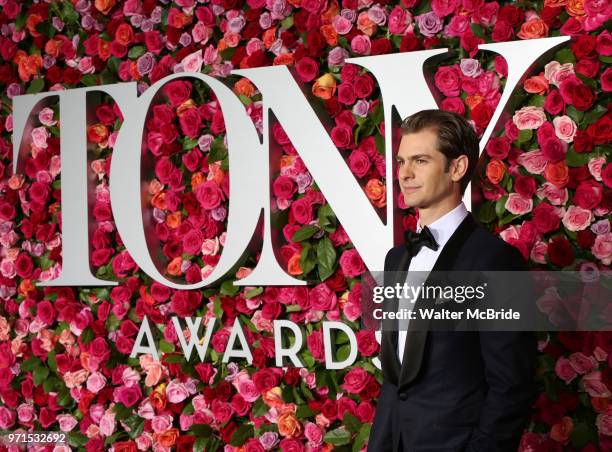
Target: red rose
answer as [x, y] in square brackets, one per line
[481, 114]
[525, 186]
[588, 194]
[560, 251]
[284, 187]
[222, 411]
[364, 85]
[588, 68]
[177, 91]
[351, 263]
[453, 104]
[359, 163]
[601, 130]
[582, 141]
[346, 94]
[315, 345]
[209, 195]
[498, 147]
[45, 312]
[265, 379]
[184, 302]
[307, 69]
[39, 192]
[554, 103]
[301, 211]
[192, 242]
[606, 175]
[128, 395]
[349, 72]
[604, 43]
[24, 265]
[448, 80]
[502, 31]
[554, 149]
[380, 46]
[356, 380]
[577, 93]
[342, 136]
[366, 343]
[585, 239]
[545, 218]
[584, 47]
[606, 80]
[191, 122]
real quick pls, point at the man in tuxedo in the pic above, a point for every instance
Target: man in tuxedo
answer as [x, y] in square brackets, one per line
[449, 390]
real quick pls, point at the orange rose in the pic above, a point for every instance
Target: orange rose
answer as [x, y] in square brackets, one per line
[31, 22]
[167, 438]
[104, 6]
[158, 397]
[174, 220]
[557, 173]
[269, 37]
[16, 181]
[287, 160]
[600, 404]
[561, 431]
[324, 87]
[293, 266]
[365, 24]
[575, 8]
[29, 66]
[244, 87]
[85, 360]
[53, 47]
[376, 192]
[179, 20]
[97, 133]
[534, 28]
[295, 3]
[146, 296]
[26, 286]
[289, 425]
[495, 171]
[330, 35]
[124, 34]
[473, 100]
[155, 187]
[104, 49]
[273, 397]
[536, 85]
[216, 173]
[159, 200]
[332, 11]
[133, 71]
[284, 59]
[221, 45]
[197, 179]
[174, 267]
[554, 3]
[181, 109]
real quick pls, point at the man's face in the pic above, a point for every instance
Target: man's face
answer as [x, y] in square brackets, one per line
[421, 170]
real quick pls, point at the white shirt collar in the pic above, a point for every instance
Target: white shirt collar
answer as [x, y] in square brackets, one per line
[443, 227]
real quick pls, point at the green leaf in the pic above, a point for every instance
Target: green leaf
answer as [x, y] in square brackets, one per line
[380, 144]
[287, 22]
[525, 136]
[136, 51]
[36, 86]
[305, 232]
[307, 259]
[200, 445]
[478, 30]
[77, 439]
[574, 114]
[362, 436]
[90, 80]
[351, 422]
[338, 437]
[201, 430]
[582, 434]
[189, 143]
[253, 292]
[536, 100]
[218, 151]
[87, 335]
[593, 115]
[228, 288]
[259, 408]
[343, 352]
[39, 375]
[304, 412]
[326, 256]
[31, 363]
[605, 59]
[166, 347]
[565, 55]
[49, 384]
[500, 206]
[121, 411]
[486, 212]
[51, 361]
[576, 159]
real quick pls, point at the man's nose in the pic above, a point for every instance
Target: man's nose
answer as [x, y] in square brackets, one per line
[405, 171]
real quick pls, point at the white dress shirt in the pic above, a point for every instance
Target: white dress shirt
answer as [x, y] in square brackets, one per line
[442, 229]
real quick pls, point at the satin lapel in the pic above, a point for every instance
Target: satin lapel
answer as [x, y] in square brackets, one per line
[415, 340]
[389, 360]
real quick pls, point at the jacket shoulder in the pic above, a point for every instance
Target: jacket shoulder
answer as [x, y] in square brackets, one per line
[495, 252]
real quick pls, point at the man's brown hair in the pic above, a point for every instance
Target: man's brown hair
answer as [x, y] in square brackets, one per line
[455, 137]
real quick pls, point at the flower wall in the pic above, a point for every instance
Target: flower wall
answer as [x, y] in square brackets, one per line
[544, 186]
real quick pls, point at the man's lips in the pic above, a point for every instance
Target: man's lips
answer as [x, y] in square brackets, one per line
[411, 189]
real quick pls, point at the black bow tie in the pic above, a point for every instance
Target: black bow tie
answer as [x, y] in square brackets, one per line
[415, 240]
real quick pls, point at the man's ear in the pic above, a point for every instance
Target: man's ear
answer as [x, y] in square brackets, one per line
[459, 167]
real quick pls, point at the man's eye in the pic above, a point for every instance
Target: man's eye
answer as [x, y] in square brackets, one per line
[420, 161]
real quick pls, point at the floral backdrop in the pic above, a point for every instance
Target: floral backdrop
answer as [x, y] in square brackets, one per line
[545, 184]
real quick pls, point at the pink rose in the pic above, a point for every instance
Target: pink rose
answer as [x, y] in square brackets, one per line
[301, 211]
[107, 424]
[443, 8]
[594, 386]
[95, 382]
[127, 395]
[518, 205]
[322, 298]
[176, 391]
[351, 263]
[538, 252]
[359, 163]
[161, 423]
[529, 117]
[565, 128]
[602, 248]
[246, 387]
[284, 187]
[564, 370]
[448, 80]
[356, 380]
[7, 418]
[209, 195]
[577, 218]
[314, 434]
[191, 122]
[342, 136]
[581, 363]
[556, 72]
[399, 19]
[604, 424]
[361, 44]
[193, 62]
[66, 422]
[177, 91]
[556, 196]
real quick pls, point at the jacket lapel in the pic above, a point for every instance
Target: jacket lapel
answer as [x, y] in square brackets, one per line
[415, 340]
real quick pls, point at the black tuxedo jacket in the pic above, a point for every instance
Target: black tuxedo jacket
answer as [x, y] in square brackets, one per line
[456, 390]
